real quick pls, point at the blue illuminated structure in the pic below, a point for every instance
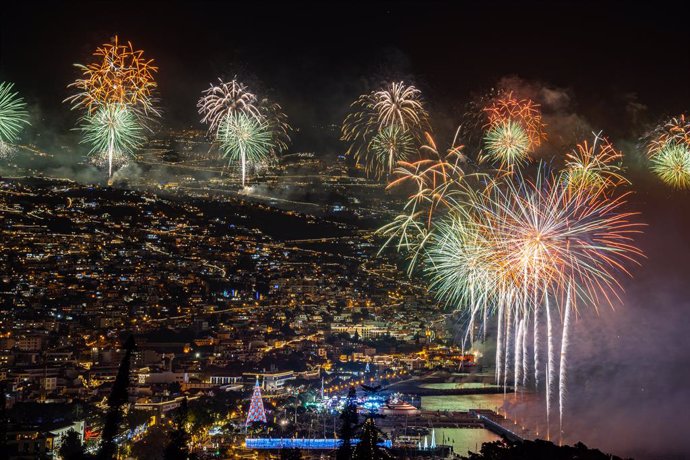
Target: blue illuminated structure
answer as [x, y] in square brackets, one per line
[290, 443]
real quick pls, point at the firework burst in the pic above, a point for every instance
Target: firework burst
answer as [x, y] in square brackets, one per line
[396, 107]
[13, 117]
[594, 166]
[462, 266]
[278, 125]
[399, 104]
[518, 243]
[390, 145]
[674, 131]
[668, 149]
[246, 140]
[219, 101]
[519, 120]
[116, 93]
[114, 133]
[672, 164]
[120, 75]
[562, 234]
[527, 250]
[508, 143]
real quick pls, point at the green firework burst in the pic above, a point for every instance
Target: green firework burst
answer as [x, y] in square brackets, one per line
[13, 113]
[672, 164]
[246, 139]
[459, 259]
[508, 143]
[113, 131]
[390, 145]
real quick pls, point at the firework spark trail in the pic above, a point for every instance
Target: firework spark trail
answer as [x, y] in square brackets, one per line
[470, 329]
[499, 343]
[524, 326]
[535, 337]
[562, 382]
[550, 363]
[506, 357]
[523, 341]
[484, 319]
[517, 352]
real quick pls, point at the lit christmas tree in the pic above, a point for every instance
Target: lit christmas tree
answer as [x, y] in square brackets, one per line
[256, 407]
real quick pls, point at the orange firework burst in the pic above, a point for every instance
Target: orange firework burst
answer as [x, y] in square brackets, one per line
[524, 112]
[432, 177]
[595, 165]
[120, 75]
[675, 131]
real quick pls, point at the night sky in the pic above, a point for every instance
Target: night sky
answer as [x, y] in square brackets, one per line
[315, 57]
[624, 67]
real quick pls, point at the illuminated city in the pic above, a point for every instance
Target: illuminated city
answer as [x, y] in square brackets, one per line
[356, 230]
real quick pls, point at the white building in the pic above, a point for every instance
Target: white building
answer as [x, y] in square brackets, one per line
[272, 382]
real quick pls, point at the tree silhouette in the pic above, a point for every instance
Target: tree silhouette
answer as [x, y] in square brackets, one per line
[349, 420]
[537, 450]
[72, 447]
[369, 446]
[119, 395]
[178, 448]
[370, 436]
[290, 454]
[4, 454]
[152, 445]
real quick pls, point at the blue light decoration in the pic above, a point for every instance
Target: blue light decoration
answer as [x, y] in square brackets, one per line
[291, 443]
